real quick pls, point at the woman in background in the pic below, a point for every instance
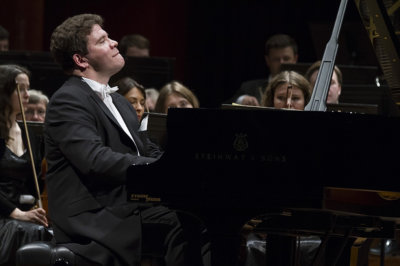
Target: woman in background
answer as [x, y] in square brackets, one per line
[134, 93]
[151, 98]
[175, 95]
[289, 90]
[20, 222]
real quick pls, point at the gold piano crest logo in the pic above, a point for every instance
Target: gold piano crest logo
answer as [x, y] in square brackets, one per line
[240, 143]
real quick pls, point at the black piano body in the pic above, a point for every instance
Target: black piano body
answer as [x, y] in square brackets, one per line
[232, 150]
[229, 166]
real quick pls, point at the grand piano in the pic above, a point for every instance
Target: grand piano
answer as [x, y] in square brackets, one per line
[227, 166]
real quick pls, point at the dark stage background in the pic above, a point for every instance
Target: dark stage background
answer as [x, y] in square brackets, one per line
[216, 44]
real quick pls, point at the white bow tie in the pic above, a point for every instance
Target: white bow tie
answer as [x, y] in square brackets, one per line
[107, 90]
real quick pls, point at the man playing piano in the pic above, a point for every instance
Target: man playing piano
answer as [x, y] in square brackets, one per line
[91, 139]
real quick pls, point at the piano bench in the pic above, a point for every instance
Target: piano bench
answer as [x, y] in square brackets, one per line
[47, 253]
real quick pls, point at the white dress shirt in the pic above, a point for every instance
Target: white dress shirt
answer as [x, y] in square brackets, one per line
[104, 93]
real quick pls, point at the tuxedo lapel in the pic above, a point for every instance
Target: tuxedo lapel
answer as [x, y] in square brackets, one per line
[97, 100]
[104, 108]
[124, 111]
[129, 119]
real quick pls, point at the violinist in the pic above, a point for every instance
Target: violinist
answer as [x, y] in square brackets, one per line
[20, 223]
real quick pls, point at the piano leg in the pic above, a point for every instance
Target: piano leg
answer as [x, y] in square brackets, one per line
[360, 251]
[383, 242]
[337, 251]
[337, 232]
[224, 235]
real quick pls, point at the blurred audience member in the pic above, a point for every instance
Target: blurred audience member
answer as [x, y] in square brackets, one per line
[4, 39]
[134, 93]
[151, 98]
[335, 88]
[288, 90]
[175, 95]
[36, 107]
[134, 45]
[279, 49]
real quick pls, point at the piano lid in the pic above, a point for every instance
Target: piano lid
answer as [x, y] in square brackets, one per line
[381, 19]
[323, 81]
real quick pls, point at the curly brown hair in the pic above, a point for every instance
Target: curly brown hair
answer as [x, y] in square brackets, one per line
[71, 38]
[8, 74]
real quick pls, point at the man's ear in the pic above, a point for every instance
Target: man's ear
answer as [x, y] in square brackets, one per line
[80, 61]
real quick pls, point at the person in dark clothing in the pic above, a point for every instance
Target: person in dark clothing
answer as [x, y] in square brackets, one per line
[279, 49]
[20, 222]
[91, 138]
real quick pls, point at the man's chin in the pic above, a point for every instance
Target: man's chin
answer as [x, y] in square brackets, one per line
[121, 59]
[119, 66]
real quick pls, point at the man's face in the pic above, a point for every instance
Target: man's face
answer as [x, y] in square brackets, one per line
[35, 112]
[278, 56]
[334, 88]
[4, 45]
[103, 55]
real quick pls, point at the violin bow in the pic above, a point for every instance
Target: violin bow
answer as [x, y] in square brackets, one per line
[29, 148]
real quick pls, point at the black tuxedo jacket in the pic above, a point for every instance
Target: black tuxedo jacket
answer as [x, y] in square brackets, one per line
[88, 154]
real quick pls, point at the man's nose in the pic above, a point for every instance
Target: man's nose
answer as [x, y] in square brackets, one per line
[113, 43]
